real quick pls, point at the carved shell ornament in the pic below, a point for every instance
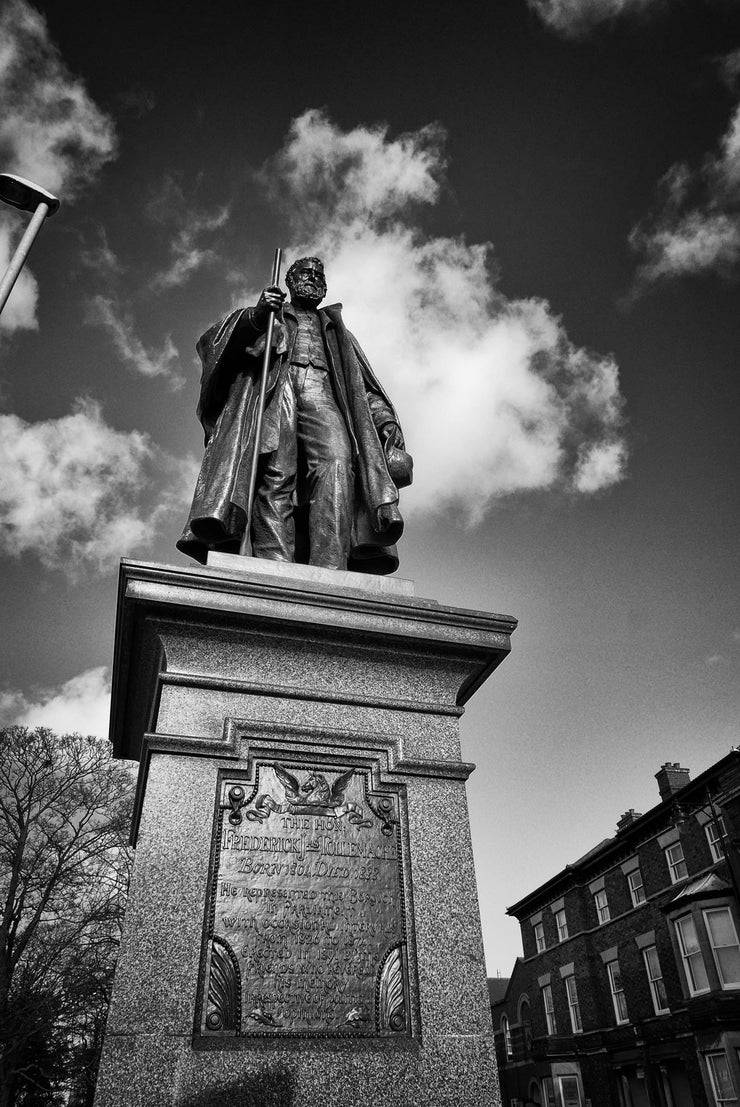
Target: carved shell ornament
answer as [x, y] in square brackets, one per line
[391, 1001]
[223, 988]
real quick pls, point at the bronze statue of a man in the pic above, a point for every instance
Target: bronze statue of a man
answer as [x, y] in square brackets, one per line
[331, 454]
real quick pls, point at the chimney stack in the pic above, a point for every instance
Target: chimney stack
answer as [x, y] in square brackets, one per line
[628, 818]
[671, 779]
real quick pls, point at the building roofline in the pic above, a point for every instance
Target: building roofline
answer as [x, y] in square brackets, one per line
[617, 843]
[509, 980]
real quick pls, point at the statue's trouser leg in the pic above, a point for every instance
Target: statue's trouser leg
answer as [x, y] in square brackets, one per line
[273, 528]
[325, 448]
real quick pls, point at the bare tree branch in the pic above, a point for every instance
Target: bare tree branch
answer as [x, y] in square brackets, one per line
[64, 816]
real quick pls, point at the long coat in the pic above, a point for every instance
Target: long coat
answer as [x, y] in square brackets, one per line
[232, 352]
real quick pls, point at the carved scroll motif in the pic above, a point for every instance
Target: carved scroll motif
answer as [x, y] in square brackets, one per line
[384, 809]
[391, 1000]
[237, 798]
[224, 992]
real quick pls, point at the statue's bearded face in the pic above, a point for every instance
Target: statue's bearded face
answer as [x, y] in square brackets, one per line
[306, 281]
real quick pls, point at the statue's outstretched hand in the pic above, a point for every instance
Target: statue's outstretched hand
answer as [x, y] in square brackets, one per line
[271, 299]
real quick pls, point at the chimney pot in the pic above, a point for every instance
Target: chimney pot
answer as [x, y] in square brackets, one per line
[628, 818]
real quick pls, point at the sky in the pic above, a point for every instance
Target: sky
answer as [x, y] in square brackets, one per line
[531, 213]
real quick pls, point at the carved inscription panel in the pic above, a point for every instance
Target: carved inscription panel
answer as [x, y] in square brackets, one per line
[306, 925]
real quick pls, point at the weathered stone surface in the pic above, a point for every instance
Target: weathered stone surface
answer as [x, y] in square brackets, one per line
[215, 673]
[328, 578]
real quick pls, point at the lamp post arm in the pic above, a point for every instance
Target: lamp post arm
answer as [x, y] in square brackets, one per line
[22, 252]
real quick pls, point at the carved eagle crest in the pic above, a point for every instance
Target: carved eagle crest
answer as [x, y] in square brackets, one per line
[315, 790]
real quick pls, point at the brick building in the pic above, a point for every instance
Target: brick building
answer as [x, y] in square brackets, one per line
[628, 991]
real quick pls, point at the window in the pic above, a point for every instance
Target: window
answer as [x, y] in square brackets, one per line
[723, 940]
[525, 1021]
[549, 1009]
[602, 906]
[715, 830]
[539, 936]
[676, 864]
[617, 990]
[719, 1077]
[506, 1031]
[570, 1093]
[573, 1007]
[625, 1095]
[562, 924]
[655, 979]
[637, 890]
[693, 962]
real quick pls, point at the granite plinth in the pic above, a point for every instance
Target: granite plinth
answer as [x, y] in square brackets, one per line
[331, 578]
[219, 670]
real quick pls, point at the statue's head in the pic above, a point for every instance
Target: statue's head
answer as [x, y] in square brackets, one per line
[306, 281]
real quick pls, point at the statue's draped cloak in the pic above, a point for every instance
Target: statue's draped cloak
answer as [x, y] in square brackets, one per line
[232, 353]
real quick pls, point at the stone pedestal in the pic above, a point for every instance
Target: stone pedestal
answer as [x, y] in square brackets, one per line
[297, 733]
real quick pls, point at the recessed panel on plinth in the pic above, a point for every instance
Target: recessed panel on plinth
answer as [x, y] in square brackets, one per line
[306, 923]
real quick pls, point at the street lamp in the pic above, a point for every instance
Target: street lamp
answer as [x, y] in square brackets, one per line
[27, 196]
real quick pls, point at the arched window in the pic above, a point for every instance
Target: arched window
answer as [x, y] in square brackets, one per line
[525, 1021]
[535, 1096]
[506, 1031]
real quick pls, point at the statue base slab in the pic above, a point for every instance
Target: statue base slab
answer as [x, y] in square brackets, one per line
[303, 921]
[311, 574]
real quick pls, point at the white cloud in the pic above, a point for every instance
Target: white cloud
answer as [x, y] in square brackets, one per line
[358, 174]
[726, 168]
[600, 466]
[730, 67]
[189, 227]
[188, 254]
[81, 704]
[69, 489]
[118, 320]
[20, 310]
[695, 227]
[99, 256]
[50, 130]
[574, 18]
[699, 241]
[112, 311]
[493, 396]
